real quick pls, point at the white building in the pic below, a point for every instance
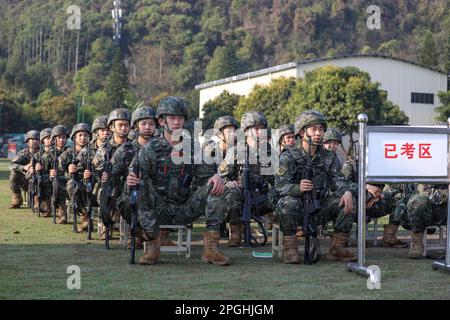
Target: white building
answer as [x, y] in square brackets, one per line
[412, 87]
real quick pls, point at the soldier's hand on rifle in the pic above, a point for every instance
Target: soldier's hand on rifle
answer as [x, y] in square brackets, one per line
[104, 177]
[132, 179]
[31, 169]
[306, 185]
[27, 167]
[38, 166]
[52, 173]
[233, 184]
[73, 168]
[347, 202]
[87, 174]
[374, 191]
[218, 186]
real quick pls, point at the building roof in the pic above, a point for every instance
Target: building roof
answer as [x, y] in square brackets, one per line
[291, 65]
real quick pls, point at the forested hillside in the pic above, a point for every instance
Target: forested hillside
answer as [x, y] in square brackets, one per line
[169, 46]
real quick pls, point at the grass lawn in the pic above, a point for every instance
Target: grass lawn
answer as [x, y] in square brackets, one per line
[35, 254]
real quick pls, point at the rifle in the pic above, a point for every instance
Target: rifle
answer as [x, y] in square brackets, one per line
[74, 191]
[250, 207]
[134, 206]
[38, 187]
[311, 207]
[105, 199]
[31, 184]
[89, 189]
[55, 184]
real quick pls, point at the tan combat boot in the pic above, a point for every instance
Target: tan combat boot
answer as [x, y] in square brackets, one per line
[390, 239]
[235, 235]
[290, 254]
[211, 253]
[165, 241]
[62, 215]
[416, 250]
[337, 251]
[152, 251]
[300, 233]
[84, 223]
[36, 204]
[16, 201]
[46, 211]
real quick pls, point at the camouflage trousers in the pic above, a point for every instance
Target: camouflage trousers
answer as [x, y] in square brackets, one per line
[234, 200]
[290, 210]
[155, 210]
[383, 207]
[422, 213]
[81, 196]
[17, 182]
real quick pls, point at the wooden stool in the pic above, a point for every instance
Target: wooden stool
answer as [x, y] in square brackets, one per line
[182, 245]
[277, 240]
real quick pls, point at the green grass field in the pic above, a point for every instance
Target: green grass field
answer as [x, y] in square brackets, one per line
[35, 254]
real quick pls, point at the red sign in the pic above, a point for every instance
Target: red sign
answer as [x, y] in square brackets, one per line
[408, 151]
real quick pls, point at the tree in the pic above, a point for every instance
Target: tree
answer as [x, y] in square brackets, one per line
[223, 105]
[223, 64]
[270, 99]
[341, 94]
[59, 110]
[428, 54]
[117, 83]
[444, 109]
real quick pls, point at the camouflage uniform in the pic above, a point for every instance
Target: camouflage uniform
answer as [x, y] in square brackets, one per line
[333, 135]
[329, 184]
[428, 207]
[75, 187]
[166, 195]
[17, 177]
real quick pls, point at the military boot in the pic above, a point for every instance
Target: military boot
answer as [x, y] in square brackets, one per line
[62, 214]
[390, 239]
[36, 204]
[165, 241]
[84, 223]
[337, 251]
[235, 235]
[211, 253]
[290, 254]
[46, 209]
[16, 201]
[152, 251]
[416, 250]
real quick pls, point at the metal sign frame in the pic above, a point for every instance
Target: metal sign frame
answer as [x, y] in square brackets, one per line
[359, 267]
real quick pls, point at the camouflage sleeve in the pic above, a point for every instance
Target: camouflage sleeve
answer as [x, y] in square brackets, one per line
[118, 165]
[19, 162]
[285, 184]
[98, 161]
[147, 157]
[438, 194]
[63, 165]
[229, 168]
[339, 183]
[45, 173]
[347, 169]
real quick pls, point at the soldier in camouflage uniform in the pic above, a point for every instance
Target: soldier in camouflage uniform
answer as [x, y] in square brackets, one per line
[287, 136]
[253, 124]
[166, 195]
[426, 208]
[119, 123]
[46, 191]
[335, 193]
[381, 201]
[68, 166]
[332, 139]
[143, 121]
[216, 148]
[49, 172]
[100, 135]
[19, 167]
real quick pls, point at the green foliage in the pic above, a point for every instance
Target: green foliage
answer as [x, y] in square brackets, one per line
[270, 100]
[59, 110]
[223, 64]
[117, 83]
[341, 94]
[223, 105]
[428, 52]
[444, 109]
